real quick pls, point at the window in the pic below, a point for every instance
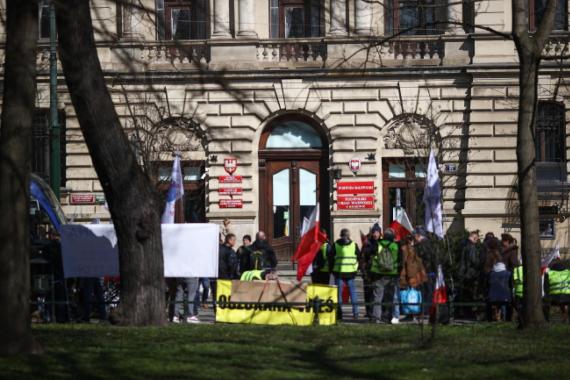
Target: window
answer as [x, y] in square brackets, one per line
[293, 135]
[43, 18]
[550, 138]
[537, 9]
[296, 18]
[182, 19]
[415, 17]
[404, 181]
[41, 146]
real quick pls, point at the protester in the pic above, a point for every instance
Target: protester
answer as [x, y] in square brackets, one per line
[244, 255]
[263, 256]
[187, 286]
[92, 294]
[346, 259]
[468, 274]
[322, 263]
[203, 300]
[384, 271]
[510, 252]
[427, 252]
[413, 273]
[227, 263]
[499, 285]
[557, 288]
[258, 275]
[369, 249]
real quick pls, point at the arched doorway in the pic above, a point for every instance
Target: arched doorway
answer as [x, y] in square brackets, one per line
[293, 162]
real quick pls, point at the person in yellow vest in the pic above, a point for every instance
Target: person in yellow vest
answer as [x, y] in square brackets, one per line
[322, 267]
[557, 288]
[257, 274]
[345, 267]
[518, 289]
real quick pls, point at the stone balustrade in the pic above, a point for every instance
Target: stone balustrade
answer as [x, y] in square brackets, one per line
[304, 51]
[557, 47]
[184, 53]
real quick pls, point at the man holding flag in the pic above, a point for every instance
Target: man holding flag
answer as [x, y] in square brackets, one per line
[312, 239]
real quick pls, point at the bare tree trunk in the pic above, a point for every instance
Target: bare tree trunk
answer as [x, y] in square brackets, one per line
[532, 315]
[15, 146]
[529, 49]
[132, 200]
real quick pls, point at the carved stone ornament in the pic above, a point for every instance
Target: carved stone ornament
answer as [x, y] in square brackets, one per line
[179, 135]
[409, 133]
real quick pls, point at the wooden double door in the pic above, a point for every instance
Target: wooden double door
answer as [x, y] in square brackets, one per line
[290, 191]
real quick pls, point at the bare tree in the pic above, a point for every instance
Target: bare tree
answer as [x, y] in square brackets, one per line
[15, 147]
[133, 201]
[529, 48]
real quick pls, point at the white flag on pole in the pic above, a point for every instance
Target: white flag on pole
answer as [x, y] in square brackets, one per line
[432, 199]
[175, 192]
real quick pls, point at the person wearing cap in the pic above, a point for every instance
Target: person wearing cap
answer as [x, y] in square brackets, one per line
[385, 274]
[369, 249]
[345, 267]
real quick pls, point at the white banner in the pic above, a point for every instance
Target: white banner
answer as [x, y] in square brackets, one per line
[190, 250]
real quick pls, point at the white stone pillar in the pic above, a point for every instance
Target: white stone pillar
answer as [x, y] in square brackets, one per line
[338, 18]
[221, 19]
[363, 17]
[246, 14]
[455, 13]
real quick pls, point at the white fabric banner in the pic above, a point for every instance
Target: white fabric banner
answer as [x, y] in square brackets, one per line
[190, 250]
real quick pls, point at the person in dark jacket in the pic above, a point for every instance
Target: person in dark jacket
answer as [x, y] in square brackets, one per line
[369, 249]
[261, 246]
[510, 252]
[227, 263]
[499, 285]
[345, 268]
[468, 273]
[322, 264]
[427, 253]
[244, 255]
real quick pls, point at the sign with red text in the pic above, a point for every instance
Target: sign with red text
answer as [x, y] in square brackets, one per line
[230, 179]
[231, 203]
[364, 202]
[355, 165]
[355, 187]
[230, 191]
[230, 165]
[82, 198]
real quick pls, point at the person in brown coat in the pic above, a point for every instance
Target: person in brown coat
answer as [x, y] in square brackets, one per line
[413, 273]
[510, 252]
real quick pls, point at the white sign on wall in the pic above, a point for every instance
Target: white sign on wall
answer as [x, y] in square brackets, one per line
[190, 250]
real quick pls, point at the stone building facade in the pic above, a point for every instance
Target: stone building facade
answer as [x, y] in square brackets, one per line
[295, 91]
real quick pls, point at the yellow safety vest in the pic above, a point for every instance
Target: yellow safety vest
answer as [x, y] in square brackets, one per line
[345, 260]
[559, 282]
[251, 275]
[518, 281]
[325, 267]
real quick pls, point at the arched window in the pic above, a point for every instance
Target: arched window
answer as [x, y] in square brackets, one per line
[293, 135]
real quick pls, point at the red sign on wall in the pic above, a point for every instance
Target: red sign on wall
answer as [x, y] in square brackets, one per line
[355, 187]
[82, 199]
[230, 191]
[365, 202]
[231, 203]
[230, 179]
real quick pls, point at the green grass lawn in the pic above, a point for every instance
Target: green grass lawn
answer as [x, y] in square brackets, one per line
[481, 351]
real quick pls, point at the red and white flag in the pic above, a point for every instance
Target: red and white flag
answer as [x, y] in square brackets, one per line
[311, 241]
[440, 293]
[401, 224]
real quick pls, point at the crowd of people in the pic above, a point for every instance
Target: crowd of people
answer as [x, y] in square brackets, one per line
[486, 271]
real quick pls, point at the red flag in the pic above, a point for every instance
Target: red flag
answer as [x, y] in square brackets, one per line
[311, 241]
[401, 225]
[440, 293]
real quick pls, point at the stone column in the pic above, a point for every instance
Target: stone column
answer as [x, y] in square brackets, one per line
[363, 17]
[455, 12]
[338, 18]
[246, 14]
[221, 19]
